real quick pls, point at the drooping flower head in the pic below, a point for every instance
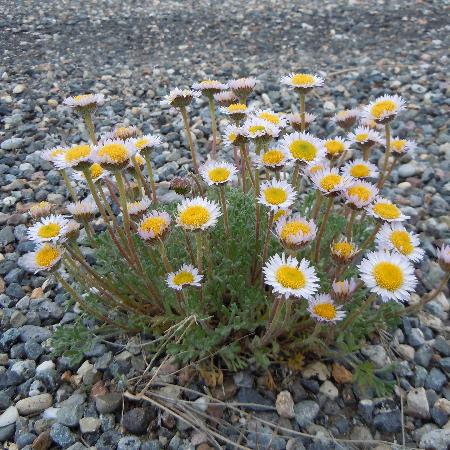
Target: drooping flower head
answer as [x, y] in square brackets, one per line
[343, 290]
[234, 136]
[72, 230]
[343, 250]
[236, 111]
[443, 255]
[197, 214]
[48, 229]
[181, 185]
[217, 172]
[295, 232]
[346, 118]
[137, 209]
[329, 181]
[45, 258]
[242, 87]
[359, 194]
[272, 159]
[209, 87]
[77, 157]
[41, 209]
[388, 274]
[336, 147]
[154, 226]
[384, 108]
[302, 82]
[113, 155]
[322, 308]
[360, 169]
[401, 146]
[186, 275]
[385, 211]
[289, 277]
[260, 131]
[276, 194]
[365, 137]
[84, 210]
[303, 147]
[295, 120]
[225, 98]
[85, 101]
[179, 98]
[395, 237]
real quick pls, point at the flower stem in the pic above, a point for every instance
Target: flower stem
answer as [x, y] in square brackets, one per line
[68, 185]
[189, 247]
[386, 176]
[225, 211]
[267, 237]
[198, 242]
[89, 232]
[358, 311]
[302, 112]
[322, 228]
[349, 231]
[165, 259]
[273, 318]
[187, 130]
[295, 174]
[212, 111]
[148, 164]
[244, 156]
[87, 117]
[317, 205]
[387, 130]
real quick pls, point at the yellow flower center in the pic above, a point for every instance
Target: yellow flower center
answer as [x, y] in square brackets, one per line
[362, 192]
[219, 174]
[77, 152]
[294, 228]
[316, 168]
[208, 82]
[325, 310]
[45, 256]
[270, 117]
[237, 108]
[330, 181]
[56, 152]
[275, 195]
[183, 278]
[303, 150]
[388, 276]
[96, 170]
[382, 108]
[386, 211]
[141, 143]
[402, 241]
[300, 79]
[155, 224]
[82, 97]
[361, 137]
[343, 249]
[117, 153]
[272, 157]
[290, 277]
[232, 137]
[279, 214]
[360, 171]
[257, 128]
[334, 147]
[195, 216]
[398, 145]
[140, 160]
[49, 230]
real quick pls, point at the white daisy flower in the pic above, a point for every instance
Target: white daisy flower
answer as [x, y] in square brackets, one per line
[359, 194]
[295, 120]
[197, 214]
[41, 209]
[343, 250]
[135, 209]
[113, 154]
[394, 236]
[295, 232]
[303, 147]
[384, 210]
[384, 108]
[276, 194]
[45, 257]
[260, 130]
[288, 277]
[329, 181]
[179, 98]
[280, 214]
[215, 173]
[146, 143]
[85, 101]
[225, 98]
[365, 136]
[271, 117]
[346, 118]
[233, 136]
[302, 81]
[388, 274]
[336, 147]
[48, 229]
[97, 173]
[401, 146]
[369, 123]
[242, 87]
[343, 290]
[323, 309]
[84, 210]
[76, 157]
[154, 225]
[360, 169]
[209, 87]
[236, 111]
[51, 154]
[272, 159]
[121, 132]
[443, 256]
[316, 166]
[186, 275]
[138, 159]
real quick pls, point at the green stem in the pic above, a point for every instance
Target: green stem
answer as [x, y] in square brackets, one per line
[302, 112]
[89, 232]
[212, 111]
[267, 237]
[296, 173]
[225, 212]
[187, 130]
[148, 164]
[358, 311]
[387, 130]
[349, 231]
[317, 205]
[87, 117]
[68, 185]
[322, 228]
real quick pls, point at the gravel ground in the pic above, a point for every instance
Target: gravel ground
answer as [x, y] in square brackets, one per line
[134, 52]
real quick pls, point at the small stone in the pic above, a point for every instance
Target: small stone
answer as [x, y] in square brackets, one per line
[365, 408]
[19, 88]
[435, 380]
[137, 420]
[129, 443]
[285, 405]
[329, 390]
[388, 421]
[406, 351]
[9, 416]
[436, 440]
[108, 440]
[89, 425]
[32, 405]
[340, 374]
[305, 412]
[416, 337]
[316, 370]
[70, 415]
[12, 143]
[61, 435]
[6, 433]
[34, 333]
[43, 441]
[417, 403]
[108, 403]
[377, 354]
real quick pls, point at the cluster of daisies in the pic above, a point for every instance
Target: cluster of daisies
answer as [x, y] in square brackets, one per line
[265, 144]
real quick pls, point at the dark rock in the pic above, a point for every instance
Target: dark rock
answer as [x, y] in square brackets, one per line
[250, 395]
[137, 420]
[435, 380]
[108, 440]
[388, 422]
[61, 435]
